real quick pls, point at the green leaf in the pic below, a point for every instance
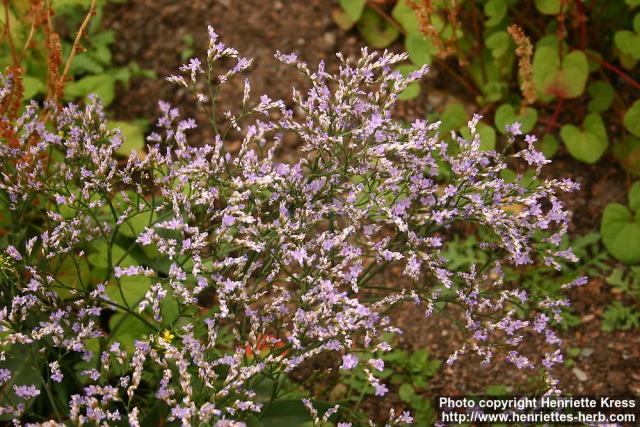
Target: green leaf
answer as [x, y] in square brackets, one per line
[453, 117]
[406, 393]
[634, 196]
[32, 87]
[549, 7]
[131, 290]
[601, 94]
[593, 123]
[339, 16]
[406, 17]
[549, 145]
[499, 43]
[376, 31]
[290, 413]
[621, 233]
[632, 3]
[506, 115]
[25, 364]
[487, 136]
[632, 119]
[553, 78]
[588, 145]
[353, 8]
[627, 152]
[495, 10]
[133, 137]
[126, 329]
[628, 42]
[103, 85]
[419, 48]
[636, 23]
[413, 90]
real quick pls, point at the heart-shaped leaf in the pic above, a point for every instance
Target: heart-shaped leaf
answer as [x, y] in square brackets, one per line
[601, 94]
[628, 42]
[586, 145]
[632, 119]
[353, 8]
[620, 232]
[376, 31]
[499, 43]
[554, 78]
[506, 115]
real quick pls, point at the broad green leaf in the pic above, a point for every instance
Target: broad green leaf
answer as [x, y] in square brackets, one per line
[627, 152]
[588, 145]
[499, 43]
[99, 255]
[340, 17]
[419, 48]
[32, 86]
[406, 393]
[136, 224]
[621, 233]
[634, 196]
[487, 137]
[126, 329]
[375, 30]
[290, 413]
[453, 117]
[413, 90]
[548, 145]
[636, 23]
[594, 124]
[628, 42]
[506, 115]
[632, 3]
[601, 94]
[495, 10]
[564, 79]
[632, 119]
[549, 7]
[84, 63]
[24, 363]
[130, 291]
[406, 17]
[133, 137]
[102, 85]
[353, 8]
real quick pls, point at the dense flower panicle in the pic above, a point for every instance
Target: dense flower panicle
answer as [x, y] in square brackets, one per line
[192, 243]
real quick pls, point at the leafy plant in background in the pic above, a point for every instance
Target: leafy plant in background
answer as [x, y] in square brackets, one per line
[36, 26]
[568, 73]
[191, 277]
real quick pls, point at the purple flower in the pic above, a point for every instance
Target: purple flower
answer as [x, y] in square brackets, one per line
[26, 391]
[349, 361]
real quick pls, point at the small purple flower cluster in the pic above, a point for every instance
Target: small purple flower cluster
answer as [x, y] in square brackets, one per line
[288, 261]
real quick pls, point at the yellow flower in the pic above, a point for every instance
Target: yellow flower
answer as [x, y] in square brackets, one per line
[167, 335]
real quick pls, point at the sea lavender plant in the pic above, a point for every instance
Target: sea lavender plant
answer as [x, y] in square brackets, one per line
[121, 276]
